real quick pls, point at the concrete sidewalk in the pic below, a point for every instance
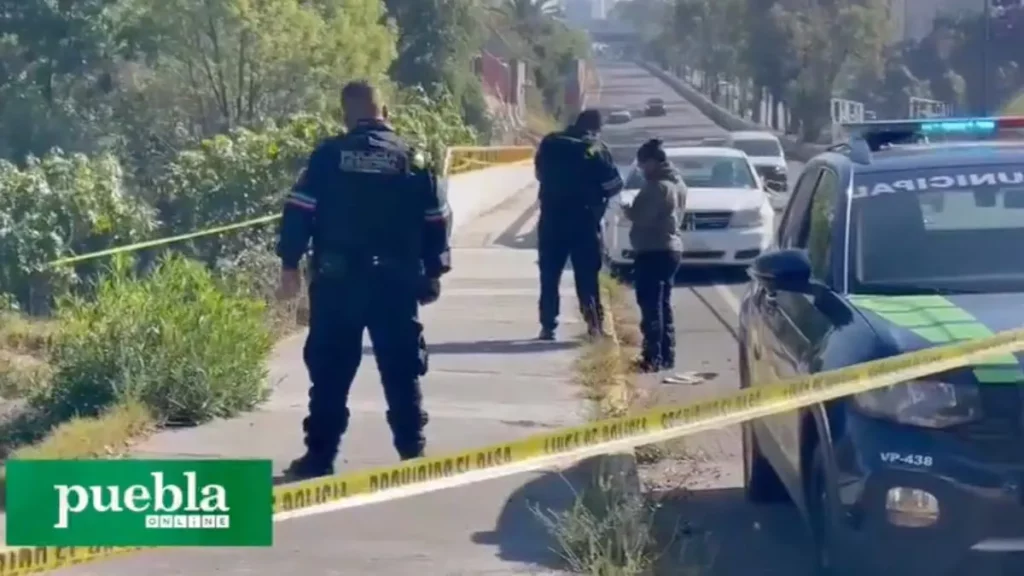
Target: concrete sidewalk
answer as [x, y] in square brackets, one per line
[489, 381]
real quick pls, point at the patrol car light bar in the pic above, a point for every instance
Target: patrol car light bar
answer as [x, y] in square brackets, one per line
[886, 133]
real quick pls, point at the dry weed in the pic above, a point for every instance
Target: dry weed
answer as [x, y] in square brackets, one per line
[608, 530]
[613, 539]
[22, 335]
[109, 435]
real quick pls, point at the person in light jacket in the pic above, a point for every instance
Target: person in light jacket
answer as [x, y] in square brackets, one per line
[656, 215]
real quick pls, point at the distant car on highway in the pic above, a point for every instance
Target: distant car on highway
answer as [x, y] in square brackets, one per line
[890, 243]
[619, 116]
[655, 107]
[766, 153]
[729, 220]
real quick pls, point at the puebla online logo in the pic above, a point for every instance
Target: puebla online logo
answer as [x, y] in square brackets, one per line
[139, 503]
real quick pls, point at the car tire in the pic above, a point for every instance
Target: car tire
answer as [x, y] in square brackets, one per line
[761, 483]
[826, 560]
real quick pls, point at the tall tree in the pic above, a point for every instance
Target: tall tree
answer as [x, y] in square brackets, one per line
[769, 52]
[238, 62]
[826, 34]
[437, 40]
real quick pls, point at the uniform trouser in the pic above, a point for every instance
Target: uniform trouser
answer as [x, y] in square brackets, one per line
[653, 277]
[556, 245]
[340, 310]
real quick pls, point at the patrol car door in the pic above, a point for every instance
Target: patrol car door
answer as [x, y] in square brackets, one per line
[800, 326]
[771, 333]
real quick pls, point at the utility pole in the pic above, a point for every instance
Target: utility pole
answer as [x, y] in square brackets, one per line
[986, 73]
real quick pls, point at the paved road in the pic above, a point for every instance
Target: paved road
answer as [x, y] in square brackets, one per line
[490, 381]
[702, 488]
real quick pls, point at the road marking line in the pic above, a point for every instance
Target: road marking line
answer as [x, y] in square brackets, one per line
[728, 297]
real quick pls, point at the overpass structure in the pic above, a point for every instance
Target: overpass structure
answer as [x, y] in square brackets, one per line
[610, 32]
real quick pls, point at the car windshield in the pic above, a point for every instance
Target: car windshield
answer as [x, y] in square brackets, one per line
[704, 172]
[952, 229]
[655, 102]
[758, 147]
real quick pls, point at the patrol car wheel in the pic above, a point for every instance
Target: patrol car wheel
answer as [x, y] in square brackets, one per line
[760, 481]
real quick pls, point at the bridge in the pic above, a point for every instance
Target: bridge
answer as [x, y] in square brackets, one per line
[611, 32]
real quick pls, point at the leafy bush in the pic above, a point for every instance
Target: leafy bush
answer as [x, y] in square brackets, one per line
[57, 206]
[255, 271]
[63, 205]
[432, 124]
[178, 341]
[232, 178]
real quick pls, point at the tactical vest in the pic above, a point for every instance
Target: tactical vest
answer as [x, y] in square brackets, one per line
[373, 216]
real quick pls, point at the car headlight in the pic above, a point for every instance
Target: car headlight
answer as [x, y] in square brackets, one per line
[924, 403]
[747, 219]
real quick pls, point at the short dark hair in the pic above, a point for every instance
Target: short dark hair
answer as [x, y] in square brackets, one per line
[588, 120]
[361, 91]
[651, 150]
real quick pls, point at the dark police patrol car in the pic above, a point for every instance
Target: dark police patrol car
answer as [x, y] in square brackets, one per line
[894, 242]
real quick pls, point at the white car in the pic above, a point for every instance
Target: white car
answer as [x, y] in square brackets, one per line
[729, 219]
[620, 116]
[766, 154]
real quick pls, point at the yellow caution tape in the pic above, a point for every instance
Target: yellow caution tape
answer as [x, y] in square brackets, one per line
[163, 241]
[571, 444]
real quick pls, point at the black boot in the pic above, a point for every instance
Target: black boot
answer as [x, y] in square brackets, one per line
[547, 334]
[407, 433]
[307, 466]
[411, 454]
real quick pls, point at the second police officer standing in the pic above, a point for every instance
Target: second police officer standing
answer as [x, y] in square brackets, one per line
[577, 177]
[379, 227]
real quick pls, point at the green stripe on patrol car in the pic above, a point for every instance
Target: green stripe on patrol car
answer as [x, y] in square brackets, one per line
[940, 321]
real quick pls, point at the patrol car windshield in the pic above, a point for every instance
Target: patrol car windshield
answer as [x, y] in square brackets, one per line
[947, 229]
[726, 172]
[758, 147]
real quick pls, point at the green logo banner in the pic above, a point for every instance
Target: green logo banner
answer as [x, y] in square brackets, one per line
[139, 503]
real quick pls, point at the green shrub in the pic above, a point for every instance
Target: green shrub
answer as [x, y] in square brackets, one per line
[244, 174]
[64, 205]
[57, 206]
[178, 341]
[255, 272]
[432, 124]
[232, 178]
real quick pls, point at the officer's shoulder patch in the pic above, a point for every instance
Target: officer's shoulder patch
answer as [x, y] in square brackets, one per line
[419, 161]
[593, 150]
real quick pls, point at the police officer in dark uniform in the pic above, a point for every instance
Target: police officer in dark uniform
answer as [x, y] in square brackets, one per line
[577, 177]
[379, 227]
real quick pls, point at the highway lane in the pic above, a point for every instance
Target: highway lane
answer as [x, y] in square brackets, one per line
[700, 483]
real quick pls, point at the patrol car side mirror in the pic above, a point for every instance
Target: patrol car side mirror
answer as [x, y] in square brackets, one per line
[783, 271]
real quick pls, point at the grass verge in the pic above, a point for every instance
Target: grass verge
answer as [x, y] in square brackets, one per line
[109, 435]
[97, 378]
[25, 373]
[608, 529]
